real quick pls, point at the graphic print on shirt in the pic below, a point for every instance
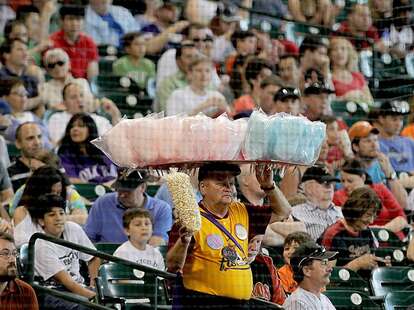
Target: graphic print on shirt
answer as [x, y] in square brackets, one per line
[97, 171]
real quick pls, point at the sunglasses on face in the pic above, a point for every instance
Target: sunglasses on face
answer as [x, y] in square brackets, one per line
[206, 39]
[57, 63]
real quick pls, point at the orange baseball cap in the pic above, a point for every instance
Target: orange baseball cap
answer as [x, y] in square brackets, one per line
[361, 129]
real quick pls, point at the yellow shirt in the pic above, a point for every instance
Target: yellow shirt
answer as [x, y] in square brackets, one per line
[206, 270]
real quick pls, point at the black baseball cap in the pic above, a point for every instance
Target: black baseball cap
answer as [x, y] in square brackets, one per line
[319, 174]
[217, 167]
[394, 107]
[286, 93]
[317, 88]
[74, 10]
[309, 251]
[130, 180]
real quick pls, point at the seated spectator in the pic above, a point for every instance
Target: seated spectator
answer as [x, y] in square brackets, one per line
[311, 270]
[6, 189]
[315, 100]
[81, 48]
[272, 7]
[148, 14]
[107, 211]
[364, 141]
[397, 148]
[391, 215]
[184, 55]
[107, 23]
[351, 236]
[75, 102]
[44, 180]
[363, 35]
[285, 273]
[6, 13]
[58, 67]
[196, 97]
[287, 100]
[256, 71]
[318, 212]
[14, 293]
[138, 227]
[29, 142]
[316, 12]
[13, 92]
[82, 161]
[59, 266]
[382, 15]
[134, 64]
[350, 85]
[245, 43]
[164, 16]
[268, 88]
[289, 71]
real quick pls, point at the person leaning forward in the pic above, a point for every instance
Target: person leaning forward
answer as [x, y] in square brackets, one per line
[214, 261]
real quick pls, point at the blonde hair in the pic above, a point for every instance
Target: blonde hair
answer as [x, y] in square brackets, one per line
[352, 62]
[58, 53]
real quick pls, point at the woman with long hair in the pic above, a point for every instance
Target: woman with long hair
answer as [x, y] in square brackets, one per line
[83, 162]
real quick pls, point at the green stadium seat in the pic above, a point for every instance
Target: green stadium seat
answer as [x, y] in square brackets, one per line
[107, 247]
[131, 288]
[13, 151]
[350, 111]
[351, 299]
[152, 189]
[105, 66]
[387, 238]
[91, 191]
[388, 279]
[163, 249]
[400, 300]
[345, 279]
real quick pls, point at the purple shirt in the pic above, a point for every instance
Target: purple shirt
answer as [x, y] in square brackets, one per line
[105, 219]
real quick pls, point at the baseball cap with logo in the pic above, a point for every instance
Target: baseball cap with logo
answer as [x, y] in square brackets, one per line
[361, 129]
[319, 174]
[130, 180]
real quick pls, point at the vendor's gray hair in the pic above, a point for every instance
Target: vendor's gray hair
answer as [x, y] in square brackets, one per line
[58, 53]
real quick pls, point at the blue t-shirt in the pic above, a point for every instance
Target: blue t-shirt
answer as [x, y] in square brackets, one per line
[105, 219]
[376, 173]
[400, 151]
[164, 194]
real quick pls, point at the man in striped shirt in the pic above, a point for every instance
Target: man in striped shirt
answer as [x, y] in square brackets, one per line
[318, 212]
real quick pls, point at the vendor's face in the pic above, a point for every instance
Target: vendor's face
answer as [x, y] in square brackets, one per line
[217, 188]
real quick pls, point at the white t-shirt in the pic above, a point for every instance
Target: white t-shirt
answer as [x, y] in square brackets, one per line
[24, 230]
[184, 100]
[302, 299]
[58, 122]
[51, 258]
[150, 257]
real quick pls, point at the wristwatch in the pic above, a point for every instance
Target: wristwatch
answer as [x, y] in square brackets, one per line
[393, 176]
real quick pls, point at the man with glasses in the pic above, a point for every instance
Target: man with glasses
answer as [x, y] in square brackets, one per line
[318, 212]
[14, 293]
[312, 269]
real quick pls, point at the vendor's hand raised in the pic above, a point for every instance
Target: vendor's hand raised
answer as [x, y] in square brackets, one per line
[185, 235]
[264, 175]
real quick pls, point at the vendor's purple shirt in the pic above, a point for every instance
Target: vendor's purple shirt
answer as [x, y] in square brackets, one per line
[105, 219]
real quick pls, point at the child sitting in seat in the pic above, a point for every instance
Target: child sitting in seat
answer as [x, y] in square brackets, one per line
[292, 241]
[138, 227]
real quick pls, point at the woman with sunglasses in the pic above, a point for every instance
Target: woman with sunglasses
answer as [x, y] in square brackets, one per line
[58, 68]
[351, 236]
[391, 215]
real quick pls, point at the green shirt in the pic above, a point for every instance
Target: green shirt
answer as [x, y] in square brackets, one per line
[168, 85]
[140, 73]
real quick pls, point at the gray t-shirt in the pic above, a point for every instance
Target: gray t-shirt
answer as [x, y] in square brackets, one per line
[4, 178]
[305, 300]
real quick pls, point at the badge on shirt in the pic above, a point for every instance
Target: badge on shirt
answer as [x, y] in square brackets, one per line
[215, 241]
[241, 232]
[229, 253]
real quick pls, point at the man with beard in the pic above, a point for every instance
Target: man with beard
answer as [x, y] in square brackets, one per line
[14, 293]
[365, 144]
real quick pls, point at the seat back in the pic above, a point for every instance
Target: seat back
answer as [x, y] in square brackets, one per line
[91, 191]
[388, 279]
[387, 238]
[107, 247]
[342, 279]
[399, 300]
[351, 299]
[23, 260]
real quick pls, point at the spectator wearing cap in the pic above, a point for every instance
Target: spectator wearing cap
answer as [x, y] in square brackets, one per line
[287, 100]
[311, 269]
[81, 48]
[315, 100]
[400, 150]
[215, 260]
[289, 71]
[107, 23]
[107, 211]
[318, 212]
[349, 83]
[256, 71]
[353, 176]
[359, 26]
[351, 236]
[196, 97]
[365, 145]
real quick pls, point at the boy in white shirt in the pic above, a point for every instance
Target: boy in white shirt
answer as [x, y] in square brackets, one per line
[138, 227]
[58, 265]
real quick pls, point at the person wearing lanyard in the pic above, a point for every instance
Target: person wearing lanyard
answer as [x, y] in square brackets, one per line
[215, 261]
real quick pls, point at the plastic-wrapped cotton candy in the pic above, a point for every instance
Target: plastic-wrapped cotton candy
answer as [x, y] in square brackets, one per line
[170, 138]
[255, 145]
[196, 138]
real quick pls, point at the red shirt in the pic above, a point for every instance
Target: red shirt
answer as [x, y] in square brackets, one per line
[390, 207]
[80, 54]
[361, 43]
[18, 295]
[357, 83]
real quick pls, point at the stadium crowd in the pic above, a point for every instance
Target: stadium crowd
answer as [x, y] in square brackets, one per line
[71, 70]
